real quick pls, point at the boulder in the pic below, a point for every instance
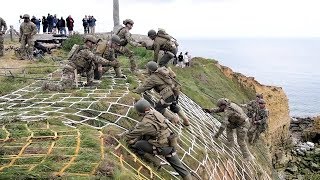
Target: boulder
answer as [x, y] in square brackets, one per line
[315, 167]
[292, 169]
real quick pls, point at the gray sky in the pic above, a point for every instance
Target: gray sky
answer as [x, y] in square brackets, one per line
[186, 18]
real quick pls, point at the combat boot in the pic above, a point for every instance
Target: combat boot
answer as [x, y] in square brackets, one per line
[119, 73]
[187, 177]
[172, 118]
[220, 131]
[184, 118]
[156, 162]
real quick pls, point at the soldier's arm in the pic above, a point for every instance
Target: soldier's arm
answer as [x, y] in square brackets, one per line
[216, 110]
[34, 29]
[147, 85]
[171, 73]
[131, 41]
[264, 119]
[95, 58]
[21, 31]
[156, 51]
[140, 130]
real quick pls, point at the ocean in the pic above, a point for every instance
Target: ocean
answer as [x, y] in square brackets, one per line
[293, 64]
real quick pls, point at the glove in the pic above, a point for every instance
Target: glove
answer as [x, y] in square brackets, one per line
[206, 110]
[143, 44]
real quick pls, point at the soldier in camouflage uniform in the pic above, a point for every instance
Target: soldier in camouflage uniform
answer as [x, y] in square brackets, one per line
[252, 106]
[27, 30]
[3, 29]
[151, 137]
[162, 81]
[82, 61]
[164, 42]
[234, 118]
[106, 50]
[126, 38]
[259, 123]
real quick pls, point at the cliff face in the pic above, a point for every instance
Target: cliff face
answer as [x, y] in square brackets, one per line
[277, 104]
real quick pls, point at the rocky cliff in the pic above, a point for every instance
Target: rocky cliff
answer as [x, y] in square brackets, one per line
[277, 104]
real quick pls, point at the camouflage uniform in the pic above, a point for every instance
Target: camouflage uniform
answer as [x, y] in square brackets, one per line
[104, 50]
[251, 108]
[162, 82]
[3, 28]
[259, 125]
[161, 42]
[27, 31]
[150, 136]
[82, 62]
[126, 38]
[235, 118]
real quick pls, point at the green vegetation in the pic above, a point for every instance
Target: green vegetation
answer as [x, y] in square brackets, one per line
[74, 39]
[204, 79]
[9, 84]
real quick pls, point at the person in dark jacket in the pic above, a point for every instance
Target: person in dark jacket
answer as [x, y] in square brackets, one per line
[85, 24]
[44, 24]
[61, 25]
[50, 23]
[70, 25]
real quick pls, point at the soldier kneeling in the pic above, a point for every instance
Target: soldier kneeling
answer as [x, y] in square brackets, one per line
[151, 137]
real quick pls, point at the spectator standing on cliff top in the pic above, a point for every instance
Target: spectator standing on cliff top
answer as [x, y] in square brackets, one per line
[85, 24]
[187, 59]
[180, 60]
[70, 25]
[44, 24]
[92, 25]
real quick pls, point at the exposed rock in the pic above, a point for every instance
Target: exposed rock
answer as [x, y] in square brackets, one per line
[292, 169]
[314, 166]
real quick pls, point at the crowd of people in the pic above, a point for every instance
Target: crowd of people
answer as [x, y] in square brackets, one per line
[89, 24]
[183, 60]
[52, 24]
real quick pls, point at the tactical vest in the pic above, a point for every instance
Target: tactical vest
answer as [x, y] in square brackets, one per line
[122, 36]
[169, 89]
[162, 33]
[262, 114]
[81, 63]
[162, 130]
[238, 117]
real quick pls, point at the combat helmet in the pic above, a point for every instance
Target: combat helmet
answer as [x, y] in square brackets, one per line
[142, 105]
[152, 33]
[262, 101]
[115, 39]
[26, 16]
[152, 66]
[222, 101]
[90, 38]
[130, 21]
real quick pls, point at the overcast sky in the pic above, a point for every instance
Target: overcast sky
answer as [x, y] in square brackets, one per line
[186, 18]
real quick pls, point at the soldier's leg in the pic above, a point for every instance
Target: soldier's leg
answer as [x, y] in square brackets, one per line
[220, 131]
[161, 107]
[1, 45]
[30, 48]
[176, 109]
[251, 133]
[23, 47]
[67, 81]
[172, 157]
[90, 75]
[241, 138]
[126, 52]
[165, 59]
[144, 149]
[230, 137]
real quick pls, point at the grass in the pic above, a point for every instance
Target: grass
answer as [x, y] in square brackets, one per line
[205, 84]
[74, 39]
[9, 84]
